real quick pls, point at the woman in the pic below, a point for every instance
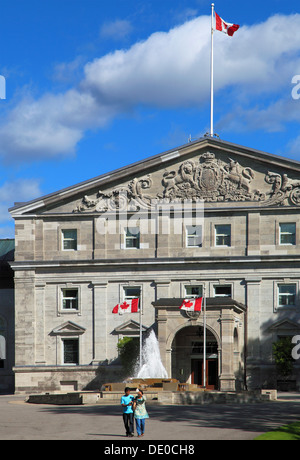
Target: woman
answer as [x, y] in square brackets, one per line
[140, 413]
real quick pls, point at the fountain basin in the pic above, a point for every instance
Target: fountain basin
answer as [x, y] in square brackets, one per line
[151, 374]
[147, 384]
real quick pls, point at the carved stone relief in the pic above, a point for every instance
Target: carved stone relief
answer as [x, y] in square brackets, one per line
[119, 198]
[284, 190]
[210, 179]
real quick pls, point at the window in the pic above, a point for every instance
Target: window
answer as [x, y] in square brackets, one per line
[222, 291]
[193, 291]
[132, 238]
[131, 292]
[70, 299]
[69, 240]
[71, 351]
[287, 234]
[286, 295]
[223, 235]
[211, 348]
[194, 236]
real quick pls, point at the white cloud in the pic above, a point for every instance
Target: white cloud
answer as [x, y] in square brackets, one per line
[172, 69]
[116, 30]
[20, 190]
[168, 70]
[51, 125]
[272, 118]
[66, 72]
[17, 190]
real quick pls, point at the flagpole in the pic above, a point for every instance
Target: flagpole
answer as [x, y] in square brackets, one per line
[204, 338]
[212, 73]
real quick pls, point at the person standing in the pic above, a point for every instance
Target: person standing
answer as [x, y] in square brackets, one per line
[127, 403]
[140, 412]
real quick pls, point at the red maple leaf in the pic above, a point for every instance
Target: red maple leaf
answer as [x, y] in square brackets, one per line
[188, 303]
[125, 305]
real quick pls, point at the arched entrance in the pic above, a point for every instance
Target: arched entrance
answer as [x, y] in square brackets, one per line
[187, 357]
[180, 338]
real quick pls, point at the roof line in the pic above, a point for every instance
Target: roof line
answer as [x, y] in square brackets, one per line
[163, 155]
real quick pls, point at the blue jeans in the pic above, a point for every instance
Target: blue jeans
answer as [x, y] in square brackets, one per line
[140, 426]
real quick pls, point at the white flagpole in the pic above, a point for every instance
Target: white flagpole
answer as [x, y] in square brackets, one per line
[212, 73]
[204, 338]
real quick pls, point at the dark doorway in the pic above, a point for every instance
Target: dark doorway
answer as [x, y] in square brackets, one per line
[196, 373]
[187, 356]
[211, 373]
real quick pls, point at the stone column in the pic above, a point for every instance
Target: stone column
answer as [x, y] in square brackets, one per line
[40, 339]
[162, 339]
[163, 236]
[24, 318]
[100, 322]
[253, 330]
[162, 288]
[253, 232]
[227, 378]
[253, 303]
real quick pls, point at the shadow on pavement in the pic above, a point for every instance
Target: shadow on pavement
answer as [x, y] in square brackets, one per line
[248, 417]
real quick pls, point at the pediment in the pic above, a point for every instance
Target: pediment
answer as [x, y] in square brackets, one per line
[130, 327]
[68, 328]
[216, 172]
[285, 326]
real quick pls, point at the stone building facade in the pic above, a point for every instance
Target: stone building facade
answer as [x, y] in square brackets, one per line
[7, 325]
[209, 218]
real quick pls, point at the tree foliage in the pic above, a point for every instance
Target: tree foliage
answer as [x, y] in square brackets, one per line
[128, 349]
[282, 350]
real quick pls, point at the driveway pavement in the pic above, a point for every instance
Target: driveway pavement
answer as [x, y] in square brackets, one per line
[23, 421]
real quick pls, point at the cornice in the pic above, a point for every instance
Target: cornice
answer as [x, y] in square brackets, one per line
[165, 158]
[147, 262]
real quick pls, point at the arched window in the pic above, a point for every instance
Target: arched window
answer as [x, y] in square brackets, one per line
[2, 342]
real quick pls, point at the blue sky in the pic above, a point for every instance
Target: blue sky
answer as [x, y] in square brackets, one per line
[93, 85]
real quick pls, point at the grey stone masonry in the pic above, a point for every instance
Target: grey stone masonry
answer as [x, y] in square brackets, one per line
[210, 218]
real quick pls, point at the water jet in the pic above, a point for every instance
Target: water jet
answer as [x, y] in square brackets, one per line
[152, 366]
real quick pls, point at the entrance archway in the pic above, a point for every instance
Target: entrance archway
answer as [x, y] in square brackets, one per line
[177, 331]
[187, 357]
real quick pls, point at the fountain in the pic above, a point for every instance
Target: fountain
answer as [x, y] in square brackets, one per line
[152, 366]
[151, 374]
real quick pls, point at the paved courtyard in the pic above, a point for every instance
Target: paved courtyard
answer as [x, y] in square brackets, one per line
[23, 421]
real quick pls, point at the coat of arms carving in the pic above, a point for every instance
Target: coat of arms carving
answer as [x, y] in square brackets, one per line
[211, 180]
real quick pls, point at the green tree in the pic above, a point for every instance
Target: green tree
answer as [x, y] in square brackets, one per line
[128, 349]
[282, 350]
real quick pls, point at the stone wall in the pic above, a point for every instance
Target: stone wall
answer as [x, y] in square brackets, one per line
[65, 380]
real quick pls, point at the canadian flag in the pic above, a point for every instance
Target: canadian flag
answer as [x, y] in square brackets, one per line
[192, 304]
[128, 306]
[225, 27]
